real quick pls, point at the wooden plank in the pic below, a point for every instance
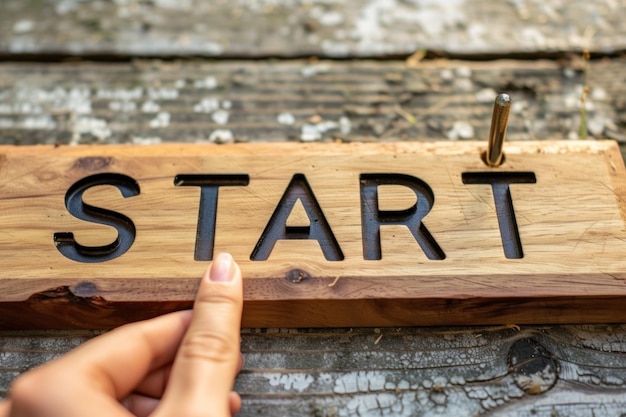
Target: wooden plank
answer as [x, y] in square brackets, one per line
[152, 102]
[370, 28]
[404, 371]
[469, 271]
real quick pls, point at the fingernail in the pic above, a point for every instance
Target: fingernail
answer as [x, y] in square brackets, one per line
[222, 269]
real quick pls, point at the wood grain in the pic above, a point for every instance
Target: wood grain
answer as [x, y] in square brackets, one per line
[571, 224]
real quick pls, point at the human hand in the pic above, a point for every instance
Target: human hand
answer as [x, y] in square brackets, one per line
[179, 364]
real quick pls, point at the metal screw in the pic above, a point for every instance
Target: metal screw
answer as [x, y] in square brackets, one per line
[499, 121]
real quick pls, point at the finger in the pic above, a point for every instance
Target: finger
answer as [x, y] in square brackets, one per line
[143, 406]
[101, 371]
[234, 402]
[140, 405]
[117, 361]
[154, 384]
[43, 394]
[206, 363]
[91, 379]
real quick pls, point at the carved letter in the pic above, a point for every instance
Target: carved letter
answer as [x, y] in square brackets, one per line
[372, 218]
[207, 213]
[500, 181]
[65, 242]
[318, 228]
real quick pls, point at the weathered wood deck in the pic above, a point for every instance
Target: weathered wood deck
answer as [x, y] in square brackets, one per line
[108, 71]
[331, 28]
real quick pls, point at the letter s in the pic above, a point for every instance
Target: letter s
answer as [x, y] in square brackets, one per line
[126, 232]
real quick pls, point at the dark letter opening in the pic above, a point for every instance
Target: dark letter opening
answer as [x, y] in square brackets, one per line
[65, 242]
[318, 228]
[500, 181]
[207, 213]
[372, 218]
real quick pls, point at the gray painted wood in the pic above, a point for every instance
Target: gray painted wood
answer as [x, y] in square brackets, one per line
[331, 28]
[496, 371]
[151, 101]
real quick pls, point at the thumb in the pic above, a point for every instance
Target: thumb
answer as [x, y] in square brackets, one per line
[207, 361]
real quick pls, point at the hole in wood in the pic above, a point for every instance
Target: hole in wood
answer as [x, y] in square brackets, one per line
[483, 157]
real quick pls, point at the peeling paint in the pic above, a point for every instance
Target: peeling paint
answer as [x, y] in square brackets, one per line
[286, 119]
[123, 94]
[23, 26]
[209, 83]
[149, 140]
[361, 381]
[220, 117]
[221, 136]
[161, 120]
[93, 126]
[345, 125]
[207, 105]
[74, 100]
[44, 122]
[486, 95]
[150, 106]
[123, 106]
[292, 381]
[162, 93]
[314, 69]
[461, 129]
[20, 108]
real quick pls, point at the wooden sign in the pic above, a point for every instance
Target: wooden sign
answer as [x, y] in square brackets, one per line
[386, 234]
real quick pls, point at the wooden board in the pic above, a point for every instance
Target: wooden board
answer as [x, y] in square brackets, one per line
[297, 100]
[570, 218]
[541, 371]
[367, 28]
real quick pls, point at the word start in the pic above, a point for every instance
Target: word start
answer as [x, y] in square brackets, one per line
[372, 218]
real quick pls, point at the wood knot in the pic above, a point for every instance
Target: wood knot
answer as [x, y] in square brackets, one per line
[296, 276]
[93, 163]
[85, 289]
[65, 295]
[534, 369]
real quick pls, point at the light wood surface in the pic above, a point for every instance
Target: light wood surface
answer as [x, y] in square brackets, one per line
[570, 222]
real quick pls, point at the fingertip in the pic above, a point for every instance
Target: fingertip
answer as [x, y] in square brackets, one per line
[224, 269]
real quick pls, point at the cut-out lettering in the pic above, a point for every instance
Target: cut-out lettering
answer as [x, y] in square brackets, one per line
[207, 213]
[318, 228]
[65, 242]
[372, 218]
[500, 181]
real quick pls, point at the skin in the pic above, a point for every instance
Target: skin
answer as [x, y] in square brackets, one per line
[179, 364]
